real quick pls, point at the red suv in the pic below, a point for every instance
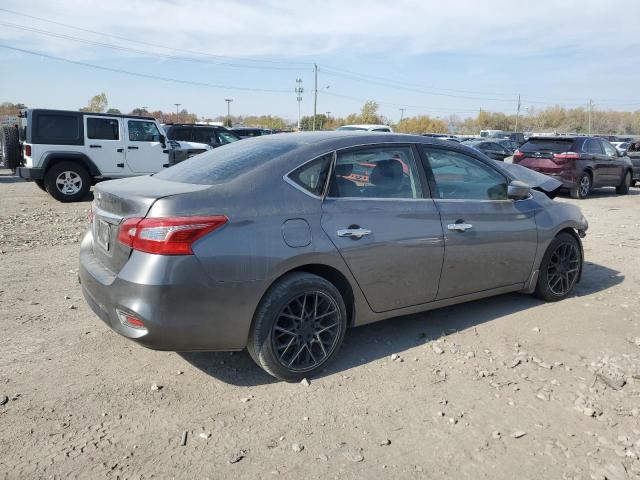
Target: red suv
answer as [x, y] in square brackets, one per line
[580, 163]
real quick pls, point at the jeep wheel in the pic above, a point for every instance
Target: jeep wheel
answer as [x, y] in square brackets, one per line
[10, 147]
[40, 184]
[67, 182]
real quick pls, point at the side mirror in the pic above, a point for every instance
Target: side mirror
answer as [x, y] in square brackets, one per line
[163, 141]
[518, 190]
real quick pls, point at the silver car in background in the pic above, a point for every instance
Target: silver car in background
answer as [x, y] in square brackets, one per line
[279, 243]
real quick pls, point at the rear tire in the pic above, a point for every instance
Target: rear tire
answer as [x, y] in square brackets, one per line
[298, 326]
[40, 184]
[623, 188]
[560, 268]
[10, 147]
[67, 182]
[582, 188]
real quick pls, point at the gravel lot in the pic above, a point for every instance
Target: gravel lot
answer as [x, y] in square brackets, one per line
[506, 387]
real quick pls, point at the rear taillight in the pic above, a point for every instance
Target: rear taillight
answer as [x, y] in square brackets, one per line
[27, 150]
[517, 156]
[565, 157]
[169, 235]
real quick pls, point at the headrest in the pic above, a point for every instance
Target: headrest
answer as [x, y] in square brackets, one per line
[344, 169]
[387, 173]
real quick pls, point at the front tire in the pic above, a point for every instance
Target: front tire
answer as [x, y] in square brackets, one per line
[40, 184]
[583, 187]
[298, 326]
[67, 182]
[623, 188]
[560, 268]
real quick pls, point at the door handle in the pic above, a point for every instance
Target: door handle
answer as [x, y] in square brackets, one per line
[132, 148]
[461, 227]
[355, 233]
[120, 150]
[95, 146]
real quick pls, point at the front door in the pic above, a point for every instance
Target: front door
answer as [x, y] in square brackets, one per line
[490, 241]
[103, 136]
[387, 230]
[615, 166]
[144, 151]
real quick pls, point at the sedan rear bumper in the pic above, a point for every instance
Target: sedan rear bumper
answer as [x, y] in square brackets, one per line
[181, 307]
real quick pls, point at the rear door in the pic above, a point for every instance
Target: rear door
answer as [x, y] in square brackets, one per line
[384, 226]
[104, 138]
[490, 241]
[144, 152]
[598, 161]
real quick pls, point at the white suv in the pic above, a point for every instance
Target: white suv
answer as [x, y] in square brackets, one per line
[65, 152]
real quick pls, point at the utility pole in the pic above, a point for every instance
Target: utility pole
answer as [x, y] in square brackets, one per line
[402, 114]
[315, 93]
[518, 114]
[590, 109]
[177, 107]
[299, 91]
[228, 100]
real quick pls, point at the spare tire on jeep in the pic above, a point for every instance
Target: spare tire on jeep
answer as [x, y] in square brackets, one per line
[10, 147]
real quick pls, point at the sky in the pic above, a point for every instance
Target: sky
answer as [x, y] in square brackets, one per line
[427, 57]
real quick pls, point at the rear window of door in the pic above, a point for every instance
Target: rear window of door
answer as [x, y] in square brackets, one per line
[377, 172]
[204, 135]
[593, 147]
[460, 177]
[181, 134]
[103, 129]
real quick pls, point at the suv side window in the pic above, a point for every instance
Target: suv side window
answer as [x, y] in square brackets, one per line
[181, 134]
[593, 146]
[103, 129]
[379, 172]
[461, 177]
[226, 137]
[609, 149]
[204, 135]
[141, 131]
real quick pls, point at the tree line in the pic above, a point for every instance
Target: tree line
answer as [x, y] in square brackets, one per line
[555, 118]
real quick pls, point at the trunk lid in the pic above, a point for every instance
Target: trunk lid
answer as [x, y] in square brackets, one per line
[539, 154]
[117, 200]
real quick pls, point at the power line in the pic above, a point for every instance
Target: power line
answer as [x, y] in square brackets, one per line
[140, 42]
[137, 51]
[143, 75]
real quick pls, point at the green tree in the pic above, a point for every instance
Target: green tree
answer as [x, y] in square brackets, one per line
[421, 124]
[114, 111]
[369, 113]
[98, 104]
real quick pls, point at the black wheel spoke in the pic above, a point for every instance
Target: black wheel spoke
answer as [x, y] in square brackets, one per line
[563, 268]
[306, 331]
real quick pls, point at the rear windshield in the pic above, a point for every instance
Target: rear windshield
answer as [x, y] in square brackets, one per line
[542, 145]
[225, 163]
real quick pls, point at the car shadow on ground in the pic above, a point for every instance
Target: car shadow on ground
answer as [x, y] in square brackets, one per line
[371, 342]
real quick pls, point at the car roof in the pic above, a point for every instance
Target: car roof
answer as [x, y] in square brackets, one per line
[560, 137]
[93, 114]
[200, 125]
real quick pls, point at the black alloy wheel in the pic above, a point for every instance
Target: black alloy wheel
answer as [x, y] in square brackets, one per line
[306, 331]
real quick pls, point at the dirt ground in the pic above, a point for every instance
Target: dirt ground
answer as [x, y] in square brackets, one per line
[506, 387]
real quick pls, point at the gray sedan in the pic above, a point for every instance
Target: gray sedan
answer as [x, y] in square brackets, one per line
[278, 244]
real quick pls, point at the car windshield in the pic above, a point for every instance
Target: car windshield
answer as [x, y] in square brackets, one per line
[225, 163]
